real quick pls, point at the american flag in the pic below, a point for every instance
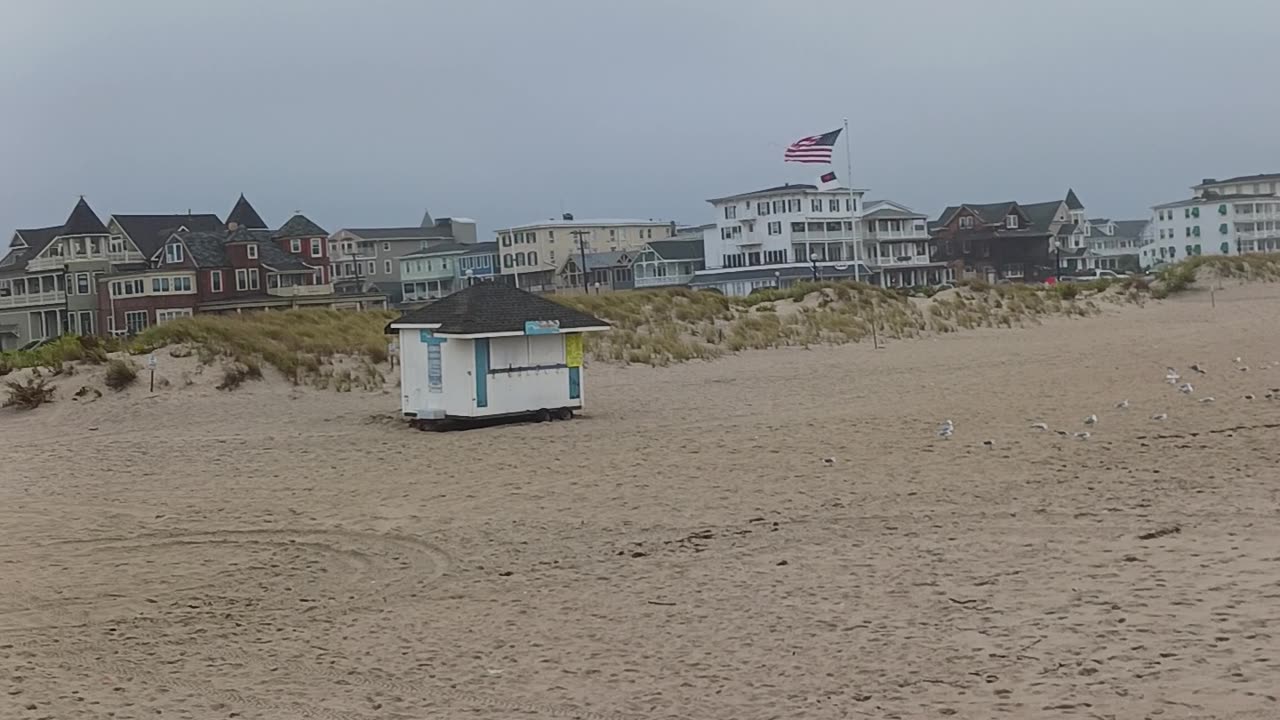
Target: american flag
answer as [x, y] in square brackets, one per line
[813, 149]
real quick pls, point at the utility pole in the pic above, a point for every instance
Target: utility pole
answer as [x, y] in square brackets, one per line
[582, 252]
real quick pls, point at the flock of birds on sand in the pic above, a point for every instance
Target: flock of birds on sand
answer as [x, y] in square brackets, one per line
[948, 428]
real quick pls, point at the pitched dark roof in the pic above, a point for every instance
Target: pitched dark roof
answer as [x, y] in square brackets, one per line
[273, 257]
[678, 249]
[490, 307]
[208, 249]
[299, 226]
[36, 240]
[1130, 228]
[83, 221]
[604, 260]
[435, 232]
[249, 235]
[444, 248]
[151, 232]
[1073, 202]
[1067, 229]
[994, 213]
[484, 248]
[244, 215]
[1042, 214]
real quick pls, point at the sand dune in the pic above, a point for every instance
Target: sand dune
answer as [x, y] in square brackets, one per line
[684, 551]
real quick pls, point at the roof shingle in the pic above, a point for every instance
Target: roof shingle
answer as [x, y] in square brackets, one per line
[83, 221]
[299, 226]
[150, 232]
[243, 215]
[490, 307]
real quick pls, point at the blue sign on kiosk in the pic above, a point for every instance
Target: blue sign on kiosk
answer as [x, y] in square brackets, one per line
[541, 327]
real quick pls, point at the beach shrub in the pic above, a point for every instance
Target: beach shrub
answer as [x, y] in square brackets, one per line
[121, 373]
[234, 374]
[29, 395]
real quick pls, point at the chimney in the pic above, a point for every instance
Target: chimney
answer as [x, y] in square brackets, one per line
[567, 216]
[1208, 181]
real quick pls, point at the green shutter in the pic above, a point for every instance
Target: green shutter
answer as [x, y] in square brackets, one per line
[1222, 228]
[1195, 212]
[1225, 247]
[1196, 231]
[1222, 209]
[1198, 252]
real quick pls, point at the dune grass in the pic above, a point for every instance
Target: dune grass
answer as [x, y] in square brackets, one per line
[295, 342]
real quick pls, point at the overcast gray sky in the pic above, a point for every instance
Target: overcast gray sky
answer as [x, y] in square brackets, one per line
[508, 111]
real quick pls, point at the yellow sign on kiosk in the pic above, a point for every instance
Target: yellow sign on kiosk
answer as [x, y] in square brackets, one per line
[573, 350]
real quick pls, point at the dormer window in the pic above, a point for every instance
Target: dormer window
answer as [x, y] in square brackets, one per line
[1011, 222]
[173, 253]
[966, 222]
[251, 250]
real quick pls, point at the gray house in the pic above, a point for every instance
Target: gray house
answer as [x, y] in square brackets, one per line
[361, 257]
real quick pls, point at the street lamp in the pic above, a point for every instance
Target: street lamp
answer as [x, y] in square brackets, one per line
[777, 279]
[1057, 260]
[471, 277]
[813, 265]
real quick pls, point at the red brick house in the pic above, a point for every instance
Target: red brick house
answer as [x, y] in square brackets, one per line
[242, 267]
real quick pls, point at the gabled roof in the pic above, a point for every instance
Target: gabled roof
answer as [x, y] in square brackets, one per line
[150, 232]
[677, 249]
[244, 215]
[889, 209]
[83, 221]
[1067, 229]
[435, 232]
[1041, 215]
[602, 260]
[489, 307]
[248, 235]
[207, 249]
[273, 257]
[1073, 202]
[299, 226]
[35, 240]
[1130, 228]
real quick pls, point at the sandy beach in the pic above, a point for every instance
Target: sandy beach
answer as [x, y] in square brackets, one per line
[683, 550]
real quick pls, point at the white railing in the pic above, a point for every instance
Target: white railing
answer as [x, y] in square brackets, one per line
[684, 279]
[42, 298]
[124, 256]
[1258, 234]
[834, 235]
[55, 262]
[893, 261]
[907, 234]
[301, 290]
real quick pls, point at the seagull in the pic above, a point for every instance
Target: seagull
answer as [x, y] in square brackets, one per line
[1248, 397]
[946, 429]
[1244, 368]
[1123, 404]
[1197, 368]
[1063, 433]
[1091, 420]
[1082, 436]
[1239, 360]
[1185, 388]
[1172, 377]
[828, 461]
[990, 444]
[1042, 427]
[1206, 399]
[1160, 416]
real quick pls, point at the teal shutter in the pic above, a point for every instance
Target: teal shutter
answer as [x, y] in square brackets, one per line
[1195, 212]
[1222, 229]
[1196, 231]
[1225, 247]
[1222, 209]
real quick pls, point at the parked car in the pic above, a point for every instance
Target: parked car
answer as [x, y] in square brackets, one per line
[1090, 275]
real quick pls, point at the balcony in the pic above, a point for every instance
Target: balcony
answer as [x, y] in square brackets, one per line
[902, 234]
[301, 290]
[1252, 235]
[899, 260]
[53, 262]
[43, 298]
[664, 281]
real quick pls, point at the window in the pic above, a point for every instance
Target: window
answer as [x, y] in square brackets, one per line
[242, 279]
[775, 228]
[115, 244]
[1011, 222]
[506, 239]
[173, 253]
[793, 205]
[551, 235]
[82, 283]
[372, 268]
[386, 247]
[730, 212]
[251, 251]
[966, 222]
[386, 267]
[295, 246]
[850, 205]
[815, 205]
[182, 284]
[966, 245]
[253, 278]
[533, 258]
[135, 321]
[833, 205]
[160, 285]
[86, 323]
[215, 281]
[164, 316]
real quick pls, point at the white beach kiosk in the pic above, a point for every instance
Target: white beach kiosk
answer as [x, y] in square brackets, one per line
[491, 351]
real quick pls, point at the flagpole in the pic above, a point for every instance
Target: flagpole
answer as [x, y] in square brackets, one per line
[853, 223]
